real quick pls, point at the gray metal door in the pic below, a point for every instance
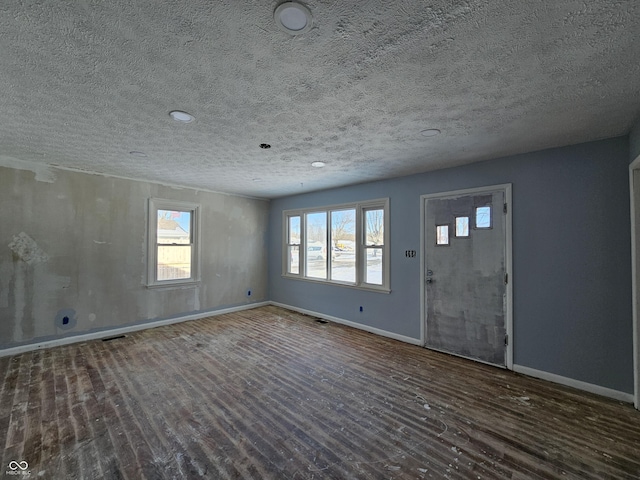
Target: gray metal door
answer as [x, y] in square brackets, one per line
[465, 281]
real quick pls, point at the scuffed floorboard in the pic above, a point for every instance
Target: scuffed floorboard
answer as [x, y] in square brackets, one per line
[268, 393]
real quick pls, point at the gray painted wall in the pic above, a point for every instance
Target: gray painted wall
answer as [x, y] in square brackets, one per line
[90, 257]
[634, 141]
[571, 258]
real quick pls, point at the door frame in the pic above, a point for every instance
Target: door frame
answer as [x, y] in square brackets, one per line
[635, 282]
[506, 188]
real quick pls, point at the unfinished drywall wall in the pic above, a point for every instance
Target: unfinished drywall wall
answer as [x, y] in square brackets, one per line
[73, 254]
[571, 258]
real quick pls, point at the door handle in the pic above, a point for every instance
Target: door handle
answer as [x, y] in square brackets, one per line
[429, 280]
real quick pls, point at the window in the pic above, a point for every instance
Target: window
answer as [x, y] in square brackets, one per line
[173, 242]
[342, 244]
[442, 234]
[373, 245]
[293, 245]
[316, 242]
[483, 217]
[462, 226]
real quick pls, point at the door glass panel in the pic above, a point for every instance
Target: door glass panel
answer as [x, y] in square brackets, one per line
[442, 235]
[483, 217]
[462, 226]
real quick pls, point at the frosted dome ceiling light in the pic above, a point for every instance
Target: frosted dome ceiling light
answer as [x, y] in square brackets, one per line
[318, 164]
[180, 116]
[293, 18]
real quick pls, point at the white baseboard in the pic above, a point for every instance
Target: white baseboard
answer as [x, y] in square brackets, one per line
[359, 326]
[122, 330]
[570, 382]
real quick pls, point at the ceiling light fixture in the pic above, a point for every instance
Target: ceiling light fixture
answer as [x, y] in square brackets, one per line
[431, 132]
[293, 18]
[318, 164]
[182, 117]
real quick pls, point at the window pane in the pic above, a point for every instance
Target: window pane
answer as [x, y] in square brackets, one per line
[374, 227]
[462, 226]
[373, 269]
[343, 245]
[294, 259]
[316, 233]
[442, 234]
[294, 230]
[174, 262]
[483, 217]
[174, 227]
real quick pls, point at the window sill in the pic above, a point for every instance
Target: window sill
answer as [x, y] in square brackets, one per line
[368, 288]
[168, 285]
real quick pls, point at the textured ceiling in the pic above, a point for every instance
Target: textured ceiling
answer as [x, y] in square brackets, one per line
[84, 83]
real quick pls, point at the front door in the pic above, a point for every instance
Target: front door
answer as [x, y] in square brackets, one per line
[466, 275]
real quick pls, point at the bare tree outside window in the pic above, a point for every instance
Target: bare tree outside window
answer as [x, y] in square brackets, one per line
[374, 244]
[343, 245]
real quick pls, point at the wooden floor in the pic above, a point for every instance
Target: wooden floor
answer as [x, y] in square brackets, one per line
[268, 393]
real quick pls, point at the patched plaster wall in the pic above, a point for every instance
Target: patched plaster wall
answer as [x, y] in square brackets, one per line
[74, 245]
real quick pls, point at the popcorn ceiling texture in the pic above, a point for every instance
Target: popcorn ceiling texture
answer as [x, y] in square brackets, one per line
[86, 82]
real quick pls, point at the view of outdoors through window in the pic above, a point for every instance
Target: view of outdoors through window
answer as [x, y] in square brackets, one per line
[343, 245]
[174, 245]
[316, 233]
[293, 243]
[483, 217]
[330, 242]
[374, 230]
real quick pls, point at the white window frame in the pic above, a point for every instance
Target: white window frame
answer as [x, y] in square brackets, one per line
[361, 249]
[156, 204]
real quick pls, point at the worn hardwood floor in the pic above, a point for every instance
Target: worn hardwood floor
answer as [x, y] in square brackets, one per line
[268, 393]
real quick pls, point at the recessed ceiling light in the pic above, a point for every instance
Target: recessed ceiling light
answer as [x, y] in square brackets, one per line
[293, 18]
[135, 153]
[318, 164]
[431, 132]
[180, 116]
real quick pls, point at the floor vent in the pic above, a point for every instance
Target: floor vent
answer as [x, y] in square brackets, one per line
[113, 338]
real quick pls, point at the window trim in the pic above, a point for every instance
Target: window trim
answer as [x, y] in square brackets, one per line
[360, 244]
[155, 204]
